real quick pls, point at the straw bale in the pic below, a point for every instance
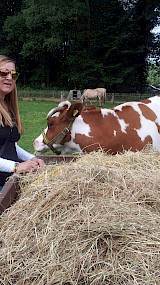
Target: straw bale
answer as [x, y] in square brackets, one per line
[94, 221]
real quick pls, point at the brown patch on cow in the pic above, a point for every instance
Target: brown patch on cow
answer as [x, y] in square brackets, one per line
[109, 133]
[88, 108]
[145, 101]
[147, 112]
[158, 128]
[130, 116]
[148, 140]
[102, 127]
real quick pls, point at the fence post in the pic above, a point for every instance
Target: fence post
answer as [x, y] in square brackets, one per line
[112, 99]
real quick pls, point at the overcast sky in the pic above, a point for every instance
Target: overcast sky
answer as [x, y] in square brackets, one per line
[156, 29]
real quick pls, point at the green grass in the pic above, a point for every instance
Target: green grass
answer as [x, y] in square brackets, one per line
[33, 116]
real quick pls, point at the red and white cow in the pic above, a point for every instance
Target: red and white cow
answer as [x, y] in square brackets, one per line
[129, 126]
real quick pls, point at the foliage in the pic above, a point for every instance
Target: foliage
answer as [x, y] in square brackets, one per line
[154, 75]
[80, 43]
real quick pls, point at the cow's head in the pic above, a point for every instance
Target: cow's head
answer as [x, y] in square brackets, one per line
[59, 124]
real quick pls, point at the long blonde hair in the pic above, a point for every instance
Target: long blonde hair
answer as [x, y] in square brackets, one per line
[11, 100]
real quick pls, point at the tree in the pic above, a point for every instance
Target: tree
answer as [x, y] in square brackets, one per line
[45, 36]
[154, 75]
[81, 43]
[7, 8]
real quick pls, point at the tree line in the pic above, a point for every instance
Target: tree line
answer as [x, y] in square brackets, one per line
[81, 43]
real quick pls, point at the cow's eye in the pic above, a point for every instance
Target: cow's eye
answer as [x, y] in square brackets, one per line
[50, 125]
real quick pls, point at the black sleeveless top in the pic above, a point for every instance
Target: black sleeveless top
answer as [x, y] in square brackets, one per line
[10, 150]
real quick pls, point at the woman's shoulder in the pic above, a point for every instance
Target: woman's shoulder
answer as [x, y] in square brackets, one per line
[4, 130]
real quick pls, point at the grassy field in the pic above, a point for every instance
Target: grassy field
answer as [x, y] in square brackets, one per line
[33, 115]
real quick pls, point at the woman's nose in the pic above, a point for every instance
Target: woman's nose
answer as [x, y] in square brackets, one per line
[9, 76]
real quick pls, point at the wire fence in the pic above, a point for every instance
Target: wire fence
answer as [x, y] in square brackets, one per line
[55, 94]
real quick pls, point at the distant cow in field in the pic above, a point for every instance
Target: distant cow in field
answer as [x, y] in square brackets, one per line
[98, 93]
[129, 126]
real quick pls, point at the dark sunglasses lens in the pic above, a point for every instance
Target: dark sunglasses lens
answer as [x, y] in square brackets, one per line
[3, 73]
[14, 75]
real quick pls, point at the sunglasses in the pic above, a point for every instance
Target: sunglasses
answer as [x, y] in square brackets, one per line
[4, 72]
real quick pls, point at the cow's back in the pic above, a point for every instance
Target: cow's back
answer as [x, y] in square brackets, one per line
[129, 126]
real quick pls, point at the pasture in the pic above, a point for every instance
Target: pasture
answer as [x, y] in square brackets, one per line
[33, 116]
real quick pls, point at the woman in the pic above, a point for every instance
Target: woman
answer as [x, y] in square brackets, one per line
[12, 157]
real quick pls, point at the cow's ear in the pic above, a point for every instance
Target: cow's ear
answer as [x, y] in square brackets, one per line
[75, 110]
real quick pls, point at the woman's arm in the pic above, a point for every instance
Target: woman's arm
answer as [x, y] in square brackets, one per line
[26, 156]
[23, 154]
[9, 165]
[30, 162]
[6, 165]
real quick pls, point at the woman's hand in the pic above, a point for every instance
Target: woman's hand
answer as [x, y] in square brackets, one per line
[39, 161]
[30, 165]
